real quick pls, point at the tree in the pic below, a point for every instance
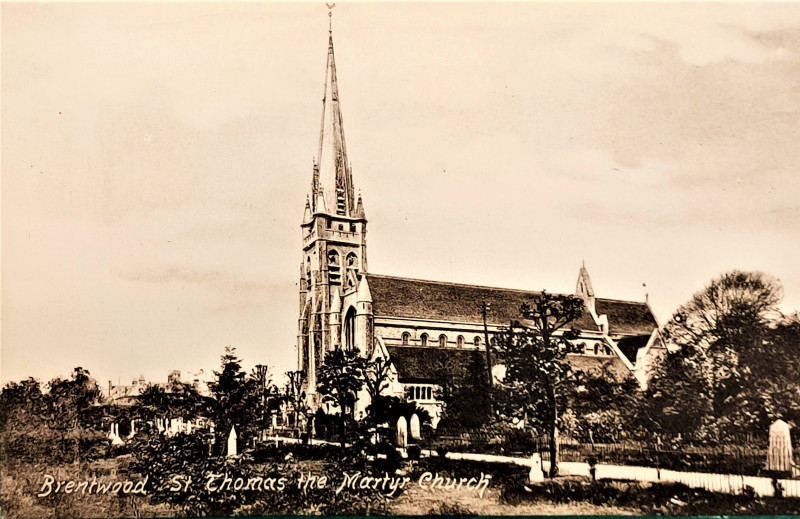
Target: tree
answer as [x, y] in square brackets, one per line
[537, 373]
[181, 400]
[237, 398]
[677, 400]
[295, 394]
[604, 407]
[719, 322]
[724, 336]
[466, 393]
[766, 384]
[376, 376]
[340, 378]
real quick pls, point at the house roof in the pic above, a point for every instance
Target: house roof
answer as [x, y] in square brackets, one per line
[437, 300]
[433, 364]
[628, 317]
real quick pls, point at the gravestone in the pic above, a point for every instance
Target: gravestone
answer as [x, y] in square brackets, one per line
[232, 442]
[402, 432]
[536, 475]
[114, 436]
[413, 427]
[779, 453]
[133, 428]
[274, 421]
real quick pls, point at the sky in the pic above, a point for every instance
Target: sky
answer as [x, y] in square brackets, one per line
[156, 159]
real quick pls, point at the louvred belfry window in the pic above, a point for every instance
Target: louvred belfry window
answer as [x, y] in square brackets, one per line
[334, 268]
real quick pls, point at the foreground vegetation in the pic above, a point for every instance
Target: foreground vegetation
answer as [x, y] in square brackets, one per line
[733, 369]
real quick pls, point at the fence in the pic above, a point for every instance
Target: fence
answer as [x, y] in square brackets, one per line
[746, 455]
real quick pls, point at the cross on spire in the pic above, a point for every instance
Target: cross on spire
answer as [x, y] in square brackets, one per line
[330, 17]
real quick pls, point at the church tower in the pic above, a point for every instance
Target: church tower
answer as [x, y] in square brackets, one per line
[334, 231]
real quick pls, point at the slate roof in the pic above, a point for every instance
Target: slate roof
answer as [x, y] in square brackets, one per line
[436, 300]
[627, 317]
[431, 364]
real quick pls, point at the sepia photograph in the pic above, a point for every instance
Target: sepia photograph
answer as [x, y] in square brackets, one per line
[579, 293]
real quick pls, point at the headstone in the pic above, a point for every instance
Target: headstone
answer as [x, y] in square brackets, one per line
[413, 427]
[779, 453]
[188, 427]
[402, 432]
[133, 428]
[536, 475]
[232, 442]
[274, 421]
[111, 431]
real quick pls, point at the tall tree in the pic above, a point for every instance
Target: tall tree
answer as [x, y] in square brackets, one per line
[722, 334]
[339, 380]
[237, 397]
[719, 322]
[537, 372]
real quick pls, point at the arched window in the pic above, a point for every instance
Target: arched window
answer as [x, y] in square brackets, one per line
[350, 329]
[460, 341]
[582, 347]
[406, 337]
[308, 273]
[597, 348]
[334, 268]
[443, 341]
[606, 350]
[477, 341]
[423, 339]
[351, 274]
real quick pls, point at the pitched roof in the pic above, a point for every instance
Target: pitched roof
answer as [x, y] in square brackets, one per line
[432, 364]
[627, 316]
[436, 300]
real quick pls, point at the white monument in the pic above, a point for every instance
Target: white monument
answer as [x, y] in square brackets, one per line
[402, 432]
[536, 475]
[133, 428]
[232, 442]
[779, 453]
[413, 427]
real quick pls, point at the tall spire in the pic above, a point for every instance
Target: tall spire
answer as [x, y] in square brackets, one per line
[332, 174]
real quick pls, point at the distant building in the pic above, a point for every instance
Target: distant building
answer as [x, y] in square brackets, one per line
[125, 394]
[128, 394]
[421, 326]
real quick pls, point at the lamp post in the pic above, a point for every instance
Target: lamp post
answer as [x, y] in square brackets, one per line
[486, 308]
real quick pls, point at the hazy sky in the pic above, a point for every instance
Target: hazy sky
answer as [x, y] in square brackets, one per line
[156, 160]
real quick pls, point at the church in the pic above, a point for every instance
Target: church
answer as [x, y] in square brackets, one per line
[421, 325]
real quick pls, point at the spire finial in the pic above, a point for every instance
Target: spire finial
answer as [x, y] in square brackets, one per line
[330, 17]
